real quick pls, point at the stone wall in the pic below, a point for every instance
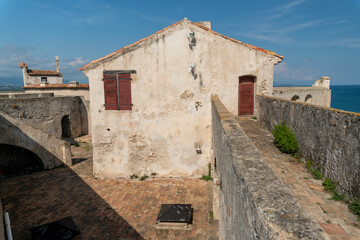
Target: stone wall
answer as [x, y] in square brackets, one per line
[328, 137]
[254, 203]
[45, 113]
[52, 151]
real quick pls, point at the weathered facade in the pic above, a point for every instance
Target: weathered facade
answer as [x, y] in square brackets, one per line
[161, 122]
[42, 77]
[318, 94]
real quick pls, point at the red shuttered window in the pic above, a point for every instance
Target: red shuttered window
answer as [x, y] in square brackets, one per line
[117, 88]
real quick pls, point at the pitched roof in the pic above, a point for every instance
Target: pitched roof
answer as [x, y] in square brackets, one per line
[57, 86]
[171, 26]
[23, 64]
[43, 73]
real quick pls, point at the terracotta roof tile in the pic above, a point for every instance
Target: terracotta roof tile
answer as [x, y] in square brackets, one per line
[43, 72]
[57, 86]
[173, 25]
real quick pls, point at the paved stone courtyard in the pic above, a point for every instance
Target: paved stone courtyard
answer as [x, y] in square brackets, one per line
[104, 209]
[333, 217]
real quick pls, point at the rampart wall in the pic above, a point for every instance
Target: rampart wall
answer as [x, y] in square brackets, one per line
[52, 151]
[328, 137]
[44, 112]
[254, 203]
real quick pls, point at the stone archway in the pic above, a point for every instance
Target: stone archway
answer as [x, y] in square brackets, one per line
[17, 160]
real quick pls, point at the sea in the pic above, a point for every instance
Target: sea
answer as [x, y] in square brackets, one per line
[346, 97]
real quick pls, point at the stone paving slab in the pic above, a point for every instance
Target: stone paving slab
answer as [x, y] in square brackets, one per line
[101, 208]
[334, 217]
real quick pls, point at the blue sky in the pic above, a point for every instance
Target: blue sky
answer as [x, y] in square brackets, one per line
[316, 37]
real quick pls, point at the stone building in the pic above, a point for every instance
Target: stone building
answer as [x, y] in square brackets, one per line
[151, 101]
[318, 94]
[43, 77]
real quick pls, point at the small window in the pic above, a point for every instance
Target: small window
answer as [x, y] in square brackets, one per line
[117, 90]
[43, 79]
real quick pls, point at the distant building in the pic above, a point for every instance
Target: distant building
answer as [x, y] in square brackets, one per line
[43, 77]
[318, 94]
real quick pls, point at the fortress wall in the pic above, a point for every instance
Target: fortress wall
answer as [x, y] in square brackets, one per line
[328, 137]
[45, 113]
[254, 203]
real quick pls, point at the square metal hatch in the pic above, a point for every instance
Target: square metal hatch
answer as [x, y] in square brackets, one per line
[175, 216]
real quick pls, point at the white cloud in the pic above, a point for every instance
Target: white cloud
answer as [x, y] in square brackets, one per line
[11, 56]
[285, 74]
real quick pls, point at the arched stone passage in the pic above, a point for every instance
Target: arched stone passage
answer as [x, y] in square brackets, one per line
[295, 98]
[17, 160]
[65, 127]
[308, 98]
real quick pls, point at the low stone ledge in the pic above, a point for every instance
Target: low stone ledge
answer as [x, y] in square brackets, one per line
[254, 202]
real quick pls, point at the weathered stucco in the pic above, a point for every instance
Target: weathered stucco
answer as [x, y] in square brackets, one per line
[45, 113]
[163, 128]
[254, 202]
[328, 137]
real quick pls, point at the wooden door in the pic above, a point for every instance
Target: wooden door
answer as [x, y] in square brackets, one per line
[246, 95]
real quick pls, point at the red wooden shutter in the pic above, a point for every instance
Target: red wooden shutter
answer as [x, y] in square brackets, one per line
[125, 91]
[111, 101]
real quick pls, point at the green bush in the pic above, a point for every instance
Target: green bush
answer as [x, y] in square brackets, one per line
[285, 139]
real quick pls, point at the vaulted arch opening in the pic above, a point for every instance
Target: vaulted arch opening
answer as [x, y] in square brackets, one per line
[65, 127]
[295, 98]
[17, 160]
[308, 98]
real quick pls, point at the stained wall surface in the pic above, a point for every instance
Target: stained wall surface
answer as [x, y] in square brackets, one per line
[163, 129]
[328, 137]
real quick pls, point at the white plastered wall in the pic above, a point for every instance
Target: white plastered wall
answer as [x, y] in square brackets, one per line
[163, 129]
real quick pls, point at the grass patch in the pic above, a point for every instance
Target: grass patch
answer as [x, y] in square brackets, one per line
[329, 185]
[354, 207]
[211, 214]
[338, 197]
[144, 177]
[207, 177]
[285, 139]
[315, 172]
[134, 176]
